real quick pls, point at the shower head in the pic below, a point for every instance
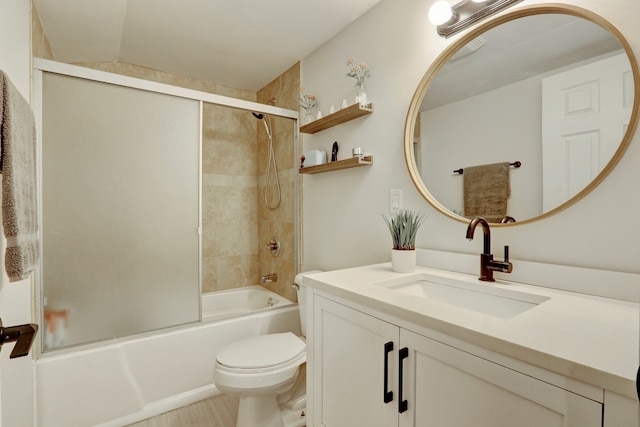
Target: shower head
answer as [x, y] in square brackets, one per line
[265, 120]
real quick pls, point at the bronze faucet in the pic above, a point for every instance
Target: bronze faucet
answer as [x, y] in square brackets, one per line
[506, 219]
[487, 263]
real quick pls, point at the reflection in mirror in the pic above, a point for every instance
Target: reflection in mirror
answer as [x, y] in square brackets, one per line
[554, 88]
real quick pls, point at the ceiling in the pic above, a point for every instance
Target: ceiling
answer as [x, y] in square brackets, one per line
[518, 50]
[243, 44]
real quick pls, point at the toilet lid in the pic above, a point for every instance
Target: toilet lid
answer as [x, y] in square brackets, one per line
[261, 351]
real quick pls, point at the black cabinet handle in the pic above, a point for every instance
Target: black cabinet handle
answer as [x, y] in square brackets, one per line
[402, 404]
[638, 383]
[388, 394]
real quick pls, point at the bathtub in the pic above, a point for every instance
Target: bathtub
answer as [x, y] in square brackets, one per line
[125, 381]
[240, 301]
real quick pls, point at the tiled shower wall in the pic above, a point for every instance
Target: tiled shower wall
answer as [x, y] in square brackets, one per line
[229, 198]
[236, 224]
[279, 222]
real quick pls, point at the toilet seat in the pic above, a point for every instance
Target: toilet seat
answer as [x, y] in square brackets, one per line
[261, 352]
[259, 363]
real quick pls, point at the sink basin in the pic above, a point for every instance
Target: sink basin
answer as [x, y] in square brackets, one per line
[482, 298]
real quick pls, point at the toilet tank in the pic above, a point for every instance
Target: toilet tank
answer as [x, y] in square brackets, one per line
[301, 290]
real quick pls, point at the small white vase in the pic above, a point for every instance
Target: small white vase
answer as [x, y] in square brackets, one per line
[307, 117]
[361, 97]
[403, 261]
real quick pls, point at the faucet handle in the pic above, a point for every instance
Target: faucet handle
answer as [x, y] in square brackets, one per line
[507, 266]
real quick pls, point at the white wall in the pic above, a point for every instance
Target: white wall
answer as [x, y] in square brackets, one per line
[16, 378]
[512, 130]
[341, 210]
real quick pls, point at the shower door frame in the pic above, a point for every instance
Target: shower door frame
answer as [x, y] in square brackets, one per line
[40, 66]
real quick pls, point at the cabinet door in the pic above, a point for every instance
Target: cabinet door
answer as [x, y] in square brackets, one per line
[450, 387]
[349, 373]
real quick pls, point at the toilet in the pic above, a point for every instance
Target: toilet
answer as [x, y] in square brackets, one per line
[264, 371]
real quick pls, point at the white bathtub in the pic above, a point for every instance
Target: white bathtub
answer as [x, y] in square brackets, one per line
[239, 301]
[122, 382]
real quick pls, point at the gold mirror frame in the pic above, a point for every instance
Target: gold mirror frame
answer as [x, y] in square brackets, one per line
[444, 57]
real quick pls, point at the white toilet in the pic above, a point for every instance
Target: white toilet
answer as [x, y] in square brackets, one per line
[263, 371]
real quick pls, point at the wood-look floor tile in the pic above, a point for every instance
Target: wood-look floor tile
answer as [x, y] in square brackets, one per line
[218, 411]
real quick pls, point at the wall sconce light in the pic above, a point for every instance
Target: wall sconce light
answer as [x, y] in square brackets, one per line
[450, 20]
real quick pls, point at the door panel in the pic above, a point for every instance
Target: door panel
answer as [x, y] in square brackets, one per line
[349, 353]
[454, 388]
[585, 113]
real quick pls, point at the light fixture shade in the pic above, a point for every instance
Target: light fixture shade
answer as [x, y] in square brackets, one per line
[469, 12]
[440, 12]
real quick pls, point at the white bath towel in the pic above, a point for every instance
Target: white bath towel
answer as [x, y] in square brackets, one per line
[19, 186]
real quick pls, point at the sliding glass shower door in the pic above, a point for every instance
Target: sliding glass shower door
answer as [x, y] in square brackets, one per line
[120, 210]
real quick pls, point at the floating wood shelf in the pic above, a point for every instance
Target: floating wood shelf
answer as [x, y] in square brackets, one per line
[353, 162]
[352, 112]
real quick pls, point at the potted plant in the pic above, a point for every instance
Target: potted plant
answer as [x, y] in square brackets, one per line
[403, 225]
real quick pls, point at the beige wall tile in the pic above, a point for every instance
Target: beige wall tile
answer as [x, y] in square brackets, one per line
[280, 222]
[39, 43]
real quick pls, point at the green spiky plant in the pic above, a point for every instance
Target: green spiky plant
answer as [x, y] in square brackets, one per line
[403, 225]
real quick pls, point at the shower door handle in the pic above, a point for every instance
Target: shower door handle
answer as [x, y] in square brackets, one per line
[23, 336]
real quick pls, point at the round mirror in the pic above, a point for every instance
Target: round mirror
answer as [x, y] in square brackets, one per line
[522, 116]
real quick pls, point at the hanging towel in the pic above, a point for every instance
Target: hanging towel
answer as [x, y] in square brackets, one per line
[486, 190]
[19, 198]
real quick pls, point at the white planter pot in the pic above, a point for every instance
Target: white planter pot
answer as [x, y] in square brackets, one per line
[403, 261]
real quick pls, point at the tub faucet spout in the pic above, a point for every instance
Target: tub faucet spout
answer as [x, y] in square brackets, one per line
[487, 264]
[269, 278]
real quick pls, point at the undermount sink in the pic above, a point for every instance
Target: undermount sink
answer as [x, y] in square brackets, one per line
[482, 298]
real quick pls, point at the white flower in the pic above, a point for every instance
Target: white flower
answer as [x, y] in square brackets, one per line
[359, 72]
[307, 101]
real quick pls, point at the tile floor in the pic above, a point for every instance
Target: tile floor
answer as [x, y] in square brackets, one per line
[218, 411]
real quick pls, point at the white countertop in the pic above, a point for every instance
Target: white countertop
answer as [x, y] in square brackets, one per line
[591, 339]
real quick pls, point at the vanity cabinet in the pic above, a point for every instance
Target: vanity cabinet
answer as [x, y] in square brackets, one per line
[349, 367]
[370, 372]
[450, 387]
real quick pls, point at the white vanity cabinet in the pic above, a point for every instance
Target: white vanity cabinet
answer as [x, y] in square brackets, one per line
[349, 358]
[370, 372]
[450, 387]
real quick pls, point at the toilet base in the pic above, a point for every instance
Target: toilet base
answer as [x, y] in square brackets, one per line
[259, 411]
[284, 409]
[294, 413]
[264, 411]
